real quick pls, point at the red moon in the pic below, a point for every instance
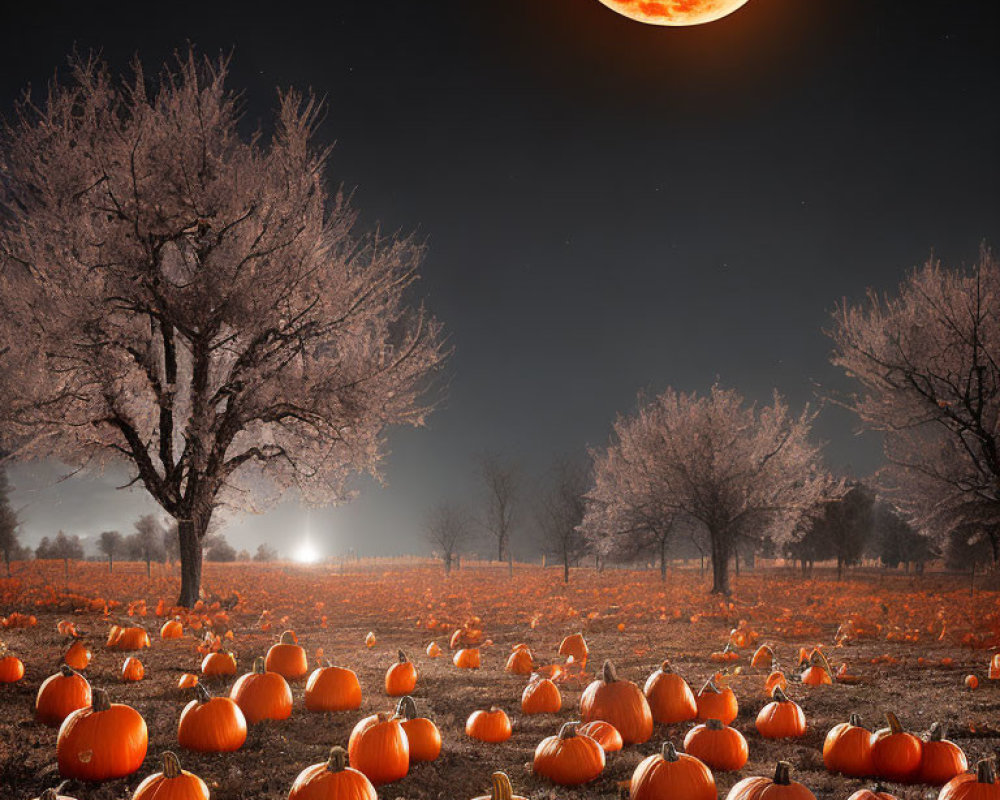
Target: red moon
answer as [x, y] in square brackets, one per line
[675, 12]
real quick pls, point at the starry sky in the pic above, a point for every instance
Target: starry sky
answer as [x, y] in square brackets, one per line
[609, 206]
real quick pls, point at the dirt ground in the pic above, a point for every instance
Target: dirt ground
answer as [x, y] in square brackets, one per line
[275, 752]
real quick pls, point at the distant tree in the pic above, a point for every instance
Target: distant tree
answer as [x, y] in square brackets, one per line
[899, 542]
[447, 530]
[560, 512]
[110, 543]
[171, 543]
[840, 529]
[243, 555]
[9, 544]
[501, 480]
[146, 544]
[712, 461]
[218, 549]
[265, 553]
[966, 548]
[64, 548]
[220, 317]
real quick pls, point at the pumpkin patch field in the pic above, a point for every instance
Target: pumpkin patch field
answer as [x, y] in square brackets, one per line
[397, 682]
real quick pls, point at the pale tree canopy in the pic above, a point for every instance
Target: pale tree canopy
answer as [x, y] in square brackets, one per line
[714, 461]
[194, 302]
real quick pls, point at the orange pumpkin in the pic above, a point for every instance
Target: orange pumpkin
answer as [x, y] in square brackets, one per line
[763, 657]
[489, 726]
[994, 671]
[674, 775]
[619, 702]
[500, 789]
[819, 672]
[130, 638]
[872, 794]
[717, 746]
[133, 670]
[11, 669]
[104, 741]
[716, 703]
[378, 747]
[422, 734]
[218, 665]
[172, 629]
[287, 658]
[781, 718]
[895, 753]
[187, 681]
[848, 749]
[979, 785]
[331, 688]
[77, 656]
[670, 698]
[604, 733]
[211, 724]
[332, 780]
[60, 695]
[971, 682]
[774, 680]
[173, 783]
[569, 759]
[466, 659]
[781, 787]
[576, 646]
[541, 696]
[940, 760]
[520, 662]
[262, 695]
[434, 650]
[401, 677]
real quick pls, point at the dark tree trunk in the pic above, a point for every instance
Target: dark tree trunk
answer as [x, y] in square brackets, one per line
[565, 567]
[702, 567]
[663, 560]
[447, 563]
[111, 563]
[149, 569]
[736, 562]
[190, 546]
[840, 567]
[720, 563]
[6, 558]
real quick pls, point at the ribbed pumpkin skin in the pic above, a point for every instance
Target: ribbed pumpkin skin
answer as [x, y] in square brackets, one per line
[781, 719]
[424, 739]
[60, 695]
[848, 750]
[781, 787]
[520, 662]
[541, 697]
[619, 702]
[491, 726]
[333, 689]
[213, 726]
[895, 753]
[288, 660]
[687, 778]
[569, 759]
[172, 629]
[670, 698]
[98, 745]
[721, 748]
[167, 786]
[604, 733]
[262, 696]
[717, 704]
[378, 747]
[401, 677]
[11, 669]
[979, 785]
[77, 656]
[322, 782]
[467, 659]
[940, 760]
[218, 665]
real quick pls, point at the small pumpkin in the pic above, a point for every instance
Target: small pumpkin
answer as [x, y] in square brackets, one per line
[287, 658]
[211, 724]
[378, 747]
[60, 695]
[172, 783]
[940, 759]
[994, 670]
[54, 794]
[619, 702]
[422, 734]
[520, 662]
[848, 749]
[979, 785]
[11, 669]
[401, 677]
[895, 753]
[500, 789]
[133, 670]
[172, 629]
[433, 650]
[262, 695]
[604, 733]
[774, 680]
[187, 681]
[370, 640]
[872, 794]
[77, 655]
[219, 664]
[717, 746]
[782, 718]
[489, 726]
[575, 646]
[541, 696]
[670, 698]
[103, 741]
[129, 638]
[818, 673]
[971, 682]
[332, 780]
[716, 703]
[674, 775]
[763, 658]
[331, 688]
[780, 787]
[569, 758]
[467, 658]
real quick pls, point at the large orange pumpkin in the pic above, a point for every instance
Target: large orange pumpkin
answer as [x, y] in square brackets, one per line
[604, 733]
[401, 677]
[621, 703]
[378, 747]
[331, 688]
[60, 695]
[895, 753]
[422, 734]
[262, 695]
[287, 658]
[848, 749]
[717, 746]
[489, 726]
[211, 724]
[173, 783]
[332, 780]
[979, 785]
[781, 787]
[669, 774]
[107, 740]
[940, 760]
[670, 698]
[716, 703]
[569, 758]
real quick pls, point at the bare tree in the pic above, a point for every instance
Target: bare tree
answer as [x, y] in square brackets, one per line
[928, 361]
[560, 511]
[146, 544]
[501, 480]
[713, 461]
[447, 531]
[195, 303]
[110, 543]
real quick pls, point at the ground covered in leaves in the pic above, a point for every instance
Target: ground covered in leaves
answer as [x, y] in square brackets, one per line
[909, 643]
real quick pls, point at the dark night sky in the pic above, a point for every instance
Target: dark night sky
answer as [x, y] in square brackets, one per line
[609, 206]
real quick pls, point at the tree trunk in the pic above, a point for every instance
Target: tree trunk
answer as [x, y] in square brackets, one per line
[663, 561]
[702, 567]
[66, 568]
[736, 562]
[565, 567]
[447, 563]
[840, 567]
[149, 569]
[720, 564]
[510, 562]
[190, 547]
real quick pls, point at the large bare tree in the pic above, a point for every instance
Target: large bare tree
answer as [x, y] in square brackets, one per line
[928, 361]
[710, 460]
[195, 302]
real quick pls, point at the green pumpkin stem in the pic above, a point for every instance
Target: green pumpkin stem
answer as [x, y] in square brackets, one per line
[669, 752]
[568, 730]
[609, 673]
[894, 724]
[100, 701]
[986, 771]
[258, 666]
[171, 765]
[338, 759]
[714, 724]
[406, 708]
[501, 788]
[782, 773]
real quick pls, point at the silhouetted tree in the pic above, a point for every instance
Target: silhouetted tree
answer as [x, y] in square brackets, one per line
[447, 530]
[110, 543]
[840, 529]
[218, 549]
[898, 542]
[501, 479]
[560, 512]
[966, 548]
[265, 553]
[65, 548]
[9, 544]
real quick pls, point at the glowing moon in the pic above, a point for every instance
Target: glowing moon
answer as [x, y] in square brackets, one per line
[675, 12]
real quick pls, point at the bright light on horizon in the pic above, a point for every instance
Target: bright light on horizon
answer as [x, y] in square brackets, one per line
[306, 553]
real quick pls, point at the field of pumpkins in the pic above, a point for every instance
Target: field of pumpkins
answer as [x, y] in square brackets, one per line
[314, 684]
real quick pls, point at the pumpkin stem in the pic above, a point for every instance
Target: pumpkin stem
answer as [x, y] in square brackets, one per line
[338, 759]
[855, 721]
[67, 671]
[894, 724]
[819, 657]
[288, 637]
[610, 674]
[986, 771]
[171, 765]
[779, 694]
[502, 790]
[406, 708]
[710, 687]
[258, 665]
[568, 730]
[714, 724]
[937, 732]
[100, 701]
[201, 693]
[49, 794]
[402, 657]
[666, 668]
[669, 752]
[782, 773]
